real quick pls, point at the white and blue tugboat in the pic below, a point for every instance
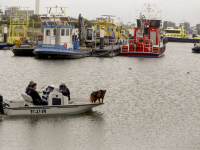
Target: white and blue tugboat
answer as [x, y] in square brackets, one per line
[60, 40]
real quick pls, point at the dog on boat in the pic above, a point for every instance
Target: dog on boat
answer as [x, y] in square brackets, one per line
[98, 95]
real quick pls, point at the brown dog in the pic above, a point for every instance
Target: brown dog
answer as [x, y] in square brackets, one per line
[98, 95]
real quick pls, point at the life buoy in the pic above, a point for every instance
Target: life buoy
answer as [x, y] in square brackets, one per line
[148, 21]
[65, 45]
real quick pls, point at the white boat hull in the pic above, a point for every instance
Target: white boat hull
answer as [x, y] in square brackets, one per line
[49, 110]
[77, 106]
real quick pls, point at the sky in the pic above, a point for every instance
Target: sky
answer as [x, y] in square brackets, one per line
[172, 10]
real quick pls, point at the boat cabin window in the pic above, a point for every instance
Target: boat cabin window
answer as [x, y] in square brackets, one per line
[110, 28]
[89, 34]
[146, 31]
[153, 23]
[67, 32]
[172, 31]
[102, 27]
[97, 27]
[118, 29]
[62, 32]
[70, 31]
[47, 32]
[140, 40]
[54, 31]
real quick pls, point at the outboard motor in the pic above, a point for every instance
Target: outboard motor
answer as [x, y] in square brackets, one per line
[1, 105]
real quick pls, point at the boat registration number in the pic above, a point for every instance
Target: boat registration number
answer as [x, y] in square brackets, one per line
[38, 111]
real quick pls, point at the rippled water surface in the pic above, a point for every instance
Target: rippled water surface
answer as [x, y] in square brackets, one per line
[154, 105]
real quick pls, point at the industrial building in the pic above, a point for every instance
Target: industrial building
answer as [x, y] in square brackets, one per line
[16, 9]
[170, 24]
[185, 26]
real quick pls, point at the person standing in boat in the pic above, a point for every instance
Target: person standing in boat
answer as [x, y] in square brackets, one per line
[36, 97]
[64, 90]
[28, 89]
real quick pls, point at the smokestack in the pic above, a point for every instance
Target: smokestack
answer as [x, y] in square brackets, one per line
[37, 7]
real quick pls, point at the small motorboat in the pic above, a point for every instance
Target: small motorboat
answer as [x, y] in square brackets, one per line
[57, 104]
[196, 48]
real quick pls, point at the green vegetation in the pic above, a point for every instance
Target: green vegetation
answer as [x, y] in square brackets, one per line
[4, 22]
[75, 23]
[36, 18]
[37, 22]
[1, 31]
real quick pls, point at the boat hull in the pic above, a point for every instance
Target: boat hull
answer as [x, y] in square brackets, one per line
[57, 55]
[23, 51]
[2, 45]
[182, 40]
[49, 110]
[196, 49]
[59, 52]
[144, 54]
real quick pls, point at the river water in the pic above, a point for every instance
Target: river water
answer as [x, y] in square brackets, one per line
[150, 104]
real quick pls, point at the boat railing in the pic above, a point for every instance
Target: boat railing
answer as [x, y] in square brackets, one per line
[148, 46]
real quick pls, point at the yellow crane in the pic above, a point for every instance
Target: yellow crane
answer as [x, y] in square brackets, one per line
[18, 18]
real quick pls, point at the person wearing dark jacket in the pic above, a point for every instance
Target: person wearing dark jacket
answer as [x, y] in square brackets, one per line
[28, 89]
[36, 97]
[64, 90]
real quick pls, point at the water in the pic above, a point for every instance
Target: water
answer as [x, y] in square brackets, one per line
[154, 105]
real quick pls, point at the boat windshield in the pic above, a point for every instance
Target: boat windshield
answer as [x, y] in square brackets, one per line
[110, 28]
[172, 31]
[97, 27]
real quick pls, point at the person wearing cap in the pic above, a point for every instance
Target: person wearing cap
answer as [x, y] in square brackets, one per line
[36, 97]
[64, 90]
[28, 89]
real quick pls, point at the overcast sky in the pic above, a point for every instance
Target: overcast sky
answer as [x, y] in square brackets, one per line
[172, 10]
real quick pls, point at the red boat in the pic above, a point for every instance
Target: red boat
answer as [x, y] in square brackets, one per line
[146, 41]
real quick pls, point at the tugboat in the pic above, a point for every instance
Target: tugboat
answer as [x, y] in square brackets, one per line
[146, 41]
[59, 41]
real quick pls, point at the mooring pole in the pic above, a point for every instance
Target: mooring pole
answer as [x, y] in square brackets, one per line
[5, 34]
[33, 30]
